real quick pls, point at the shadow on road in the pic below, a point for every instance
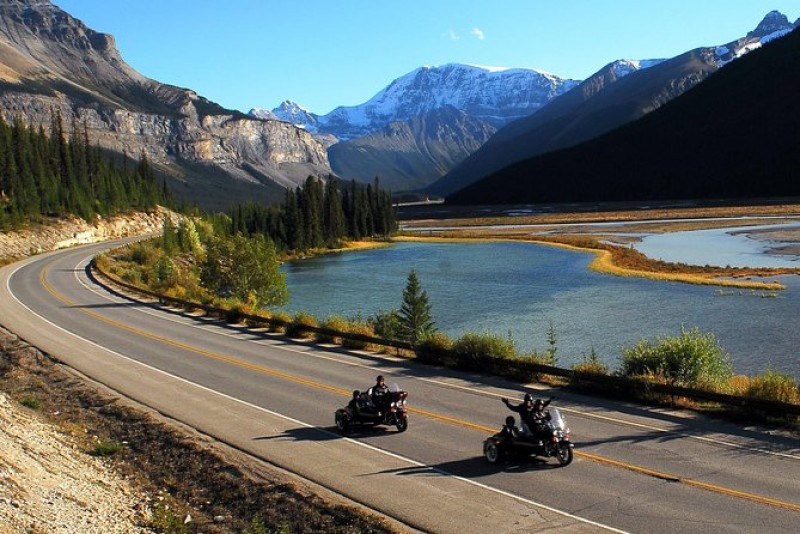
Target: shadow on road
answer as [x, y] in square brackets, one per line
[475, 467]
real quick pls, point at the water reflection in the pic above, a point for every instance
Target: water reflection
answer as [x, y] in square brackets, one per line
[519, 290]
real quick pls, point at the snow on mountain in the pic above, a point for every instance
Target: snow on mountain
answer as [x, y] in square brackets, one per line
[492, 94]
[261, 113]
[623, 67]
[774, 25]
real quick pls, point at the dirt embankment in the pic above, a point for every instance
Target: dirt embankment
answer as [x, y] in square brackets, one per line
[62, 233]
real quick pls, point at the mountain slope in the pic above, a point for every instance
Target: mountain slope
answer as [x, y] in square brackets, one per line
[733, 136]
[606, 100]
[494, 95]
[411, 154]
[52, 63]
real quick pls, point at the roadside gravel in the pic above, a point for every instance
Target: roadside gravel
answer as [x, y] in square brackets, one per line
[47, 484]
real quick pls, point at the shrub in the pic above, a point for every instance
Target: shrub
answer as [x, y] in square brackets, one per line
[143, 253]
[360, 328]
[279, 322]
[591, 364]
[299, 327]
[31, 402]
[775, 386]
[689, 359]
[106, 448]
[167, 521]
[480, 352]
[337, 323]
[435, 348]
[387, 325]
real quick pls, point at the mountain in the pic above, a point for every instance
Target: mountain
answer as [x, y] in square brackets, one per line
[493, 95]
[51, 63]
[618, 93]
[387, 135]
[411, 154]
[732, 136]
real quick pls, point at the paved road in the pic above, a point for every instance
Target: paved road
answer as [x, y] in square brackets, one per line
[636, 469]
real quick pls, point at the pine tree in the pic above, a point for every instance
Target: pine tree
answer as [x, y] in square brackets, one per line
[415, 312]
[334, 222]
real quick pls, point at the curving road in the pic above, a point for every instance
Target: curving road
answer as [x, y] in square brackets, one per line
[636, 469]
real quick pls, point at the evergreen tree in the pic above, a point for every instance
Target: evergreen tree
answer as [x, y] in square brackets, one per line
[334, 222]
[295, 235]
[415, 313]
[311, 203]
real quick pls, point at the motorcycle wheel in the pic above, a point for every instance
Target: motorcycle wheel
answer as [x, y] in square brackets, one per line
[342, 424]
[564, 454]
[402, 424]
[492, 453]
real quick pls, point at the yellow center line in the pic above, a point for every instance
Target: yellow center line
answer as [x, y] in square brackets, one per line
[432, 415]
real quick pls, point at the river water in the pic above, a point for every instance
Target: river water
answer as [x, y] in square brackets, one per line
[520, 290]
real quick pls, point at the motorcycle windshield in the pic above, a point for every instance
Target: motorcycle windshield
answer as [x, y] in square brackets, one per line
[557, 420]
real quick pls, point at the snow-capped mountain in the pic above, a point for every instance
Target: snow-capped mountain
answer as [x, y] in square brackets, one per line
[292, 112]
[774, 25]
[493, 95]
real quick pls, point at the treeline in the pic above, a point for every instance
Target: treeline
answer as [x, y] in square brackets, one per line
[56, 174]
[318, 214]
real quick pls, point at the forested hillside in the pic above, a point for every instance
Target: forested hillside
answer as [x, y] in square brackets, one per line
[52, 175]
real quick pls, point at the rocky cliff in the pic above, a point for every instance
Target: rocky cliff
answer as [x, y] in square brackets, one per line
[52, 63]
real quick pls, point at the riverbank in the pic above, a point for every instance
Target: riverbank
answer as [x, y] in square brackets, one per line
[609, 235]
[620, 261]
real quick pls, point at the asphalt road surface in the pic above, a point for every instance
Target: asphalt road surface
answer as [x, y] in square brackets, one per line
[636, 469]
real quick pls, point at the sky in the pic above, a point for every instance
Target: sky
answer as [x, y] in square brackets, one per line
[245, 54]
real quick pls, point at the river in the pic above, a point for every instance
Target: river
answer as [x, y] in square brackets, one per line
[520, 290]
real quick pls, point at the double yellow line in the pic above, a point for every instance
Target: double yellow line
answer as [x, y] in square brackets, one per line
[432, 415]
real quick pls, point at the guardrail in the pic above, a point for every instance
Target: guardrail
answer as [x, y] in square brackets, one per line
[519, 368]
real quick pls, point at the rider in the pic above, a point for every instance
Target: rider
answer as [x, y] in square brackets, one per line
[510, 428]
[531, 413]
[353, 404]
[380, 395]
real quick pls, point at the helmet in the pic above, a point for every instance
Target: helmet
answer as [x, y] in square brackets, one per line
[528, 397]
[538, 402]
[356, 393]
[510, 421]
[379, 379]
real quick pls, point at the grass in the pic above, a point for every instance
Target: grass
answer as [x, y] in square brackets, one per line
[106, 448]
[31, 402]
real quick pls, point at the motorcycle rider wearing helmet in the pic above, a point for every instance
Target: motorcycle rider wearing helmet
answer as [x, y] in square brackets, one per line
[353, 404]
[531, 413]
[380, 395]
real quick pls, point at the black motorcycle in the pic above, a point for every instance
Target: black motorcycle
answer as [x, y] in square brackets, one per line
[551, 439]
[391, 411]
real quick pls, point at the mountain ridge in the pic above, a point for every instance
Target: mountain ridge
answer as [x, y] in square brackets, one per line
[52, 64]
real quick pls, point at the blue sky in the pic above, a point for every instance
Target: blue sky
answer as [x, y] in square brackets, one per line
[321, 54]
